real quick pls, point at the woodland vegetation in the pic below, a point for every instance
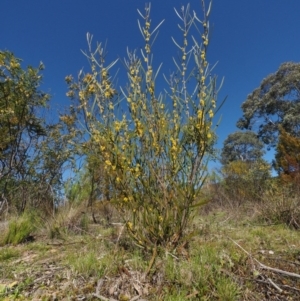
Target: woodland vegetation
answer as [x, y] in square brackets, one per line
[144, 218]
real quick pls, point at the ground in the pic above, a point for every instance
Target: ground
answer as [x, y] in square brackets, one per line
[229, 257]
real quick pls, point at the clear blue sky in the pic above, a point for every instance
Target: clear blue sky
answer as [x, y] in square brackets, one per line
[249, 39]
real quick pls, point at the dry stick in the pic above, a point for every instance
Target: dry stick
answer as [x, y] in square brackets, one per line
[291, 287]
[269, 281]
[275, 285]
[103, 298]
[265, 267]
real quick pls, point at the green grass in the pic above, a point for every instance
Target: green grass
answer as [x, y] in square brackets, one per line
[20, 229]
[215, 269]
[8, 253]
[86, 264]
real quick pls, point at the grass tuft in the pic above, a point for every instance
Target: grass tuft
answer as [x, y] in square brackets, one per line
[21, 229]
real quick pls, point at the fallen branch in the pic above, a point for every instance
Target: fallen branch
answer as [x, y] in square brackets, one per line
[265, 267]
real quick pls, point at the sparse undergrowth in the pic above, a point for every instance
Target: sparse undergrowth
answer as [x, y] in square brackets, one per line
[223, 261]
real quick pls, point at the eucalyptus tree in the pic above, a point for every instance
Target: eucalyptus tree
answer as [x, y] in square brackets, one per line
[275, 102]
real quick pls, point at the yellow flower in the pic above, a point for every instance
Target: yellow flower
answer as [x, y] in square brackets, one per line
[147, 48]
[107, 94]
[213, 103]
[107, 162]
[129, 225]
[87, 78]
[208, 135]
[91, 88]
[117, 126]
[104, 73]
[125, 199]
[200, 113]
[14, 64]
[211, 114]
[81, 95]
[68, 79]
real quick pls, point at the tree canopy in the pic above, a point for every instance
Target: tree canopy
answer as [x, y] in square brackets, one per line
[20, 99]
[276, 101]
[287, 157]
[31, 149]
[241, 146]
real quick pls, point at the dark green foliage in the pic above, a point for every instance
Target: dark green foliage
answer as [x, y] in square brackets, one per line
[244, 146]
[276, 101]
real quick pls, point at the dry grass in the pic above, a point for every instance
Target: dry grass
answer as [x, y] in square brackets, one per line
[101, 261]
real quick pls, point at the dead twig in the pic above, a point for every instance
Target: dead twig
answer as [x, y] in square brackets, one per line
[275, 285]
[265, 267]
[103, 298]
[291, 287]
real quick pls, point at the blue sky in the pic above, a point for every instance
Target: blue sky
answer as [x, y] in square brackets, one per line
[249, 39]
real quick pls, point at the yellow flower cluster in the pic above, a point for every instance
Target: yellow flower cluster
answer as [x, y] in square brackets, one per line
[205, 40]
[128, 199]
[67, 119]
[87, 79]
[213, 103]
[147, 36]
[82, 95]
[105, 85]
[147, 48]
[14, 64]
[155, 144]
[138, 128]
[129, 225]
[149, 74]
[117, 126]
[174, 148]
